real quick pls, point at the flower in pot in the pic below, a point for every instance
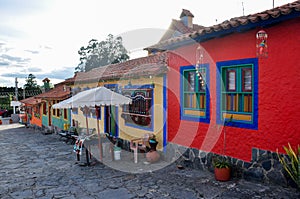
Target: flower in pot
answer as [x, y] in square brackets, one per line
[222, 169]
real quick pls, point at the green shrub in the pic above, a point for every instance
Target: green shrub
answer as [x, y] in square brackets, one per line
[221, 162]
[291, 164]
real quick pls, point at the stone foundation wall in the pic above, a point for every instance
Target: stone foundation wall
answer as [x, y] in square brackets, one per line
[264, 166]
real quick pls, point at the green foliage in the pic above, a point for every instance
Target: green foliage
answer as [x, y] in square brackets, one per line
[97, 54]
[31, 82]
[221, 162]
[291, 164]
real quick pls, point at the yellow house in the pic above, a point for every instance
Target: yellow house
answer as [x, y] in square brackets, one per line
[144, 81]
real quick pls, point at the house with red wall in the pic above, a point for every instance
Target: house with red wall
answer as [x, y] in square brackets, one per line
[232, 89]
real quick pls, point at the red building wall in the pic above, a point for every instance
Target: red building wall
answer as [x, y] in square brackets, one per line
[278, 93]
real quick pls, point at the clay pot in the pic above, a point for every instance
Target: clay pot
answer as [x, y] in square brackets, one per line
[222, 174]
[152, 156]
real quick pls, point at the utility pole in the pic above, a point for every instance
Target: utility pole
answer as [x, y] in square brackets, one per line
[16, 89]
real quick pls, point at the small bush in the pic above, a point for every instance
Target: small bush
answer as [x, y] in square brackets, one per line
[291, 164]
[221, 162]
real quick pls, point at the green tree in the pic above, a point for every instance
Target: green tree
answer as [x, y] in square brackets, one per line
[31, 83]
[97, 54]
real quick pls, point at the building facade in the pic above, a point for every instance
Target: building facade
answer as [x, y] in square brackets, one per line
[232, 88]
[143, 80]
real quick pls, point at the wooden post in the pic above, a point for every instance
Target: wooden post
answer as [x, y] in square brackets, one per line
[88, 154]
[99, 135]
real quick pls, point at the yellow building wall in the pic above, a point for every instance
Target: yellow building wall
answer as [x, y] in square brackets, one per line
[92, 122]
[128, 132]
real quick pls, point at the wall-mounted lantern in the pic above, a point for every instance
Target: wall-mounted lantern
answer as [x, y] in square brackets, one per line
[261, 44]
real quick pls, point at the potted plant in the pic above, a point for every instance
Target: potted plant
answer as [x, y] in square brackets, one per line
[222, 168]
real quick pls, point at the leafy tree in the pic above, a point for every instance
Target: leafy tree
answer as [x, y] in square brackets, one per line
[31, 83]
[97, 54]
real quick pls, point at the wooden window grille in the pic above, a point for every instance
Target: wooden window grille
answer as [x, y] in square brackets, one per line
[139, 111]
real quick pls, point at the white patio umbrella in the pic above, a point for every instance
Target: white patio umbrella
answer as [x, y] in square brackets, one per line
[99, 96]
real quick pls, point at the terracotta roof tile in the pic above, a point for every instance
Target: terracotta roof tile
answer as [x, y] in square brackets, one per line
[68, 81]
[31, 101]
[253, 19]
[263, 16]
[60, 92]
[243, 21]
[225, 25]
[145, 66]
[232, 23]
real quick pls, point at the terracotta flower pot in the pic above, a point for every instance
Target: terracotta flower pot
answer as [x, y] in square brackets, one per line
[152, 156]
[222, 174]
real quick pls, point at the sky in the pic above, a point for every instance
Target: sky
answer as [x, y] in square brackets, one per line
[42, 37]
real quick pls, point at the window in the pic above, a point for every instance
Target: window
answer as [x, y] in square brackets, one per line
[237, 92]
[55, 112]
[194, 94]
[58, 112]
[44, 108]
[36, 111]
[247, 79]
[139, 112]
[65, 114]
[231, 79]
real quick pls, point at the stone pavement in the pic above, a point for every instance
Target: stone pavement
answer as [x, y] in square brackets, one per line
[34, 165]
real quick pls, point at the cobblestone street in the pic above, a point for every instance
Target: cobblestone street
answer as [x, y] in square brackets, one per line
[34, 165]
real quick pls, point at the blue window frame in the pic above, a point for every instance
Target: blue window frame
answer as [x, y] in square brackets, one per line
[140, 113]
[237, 93]
[194, 94]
